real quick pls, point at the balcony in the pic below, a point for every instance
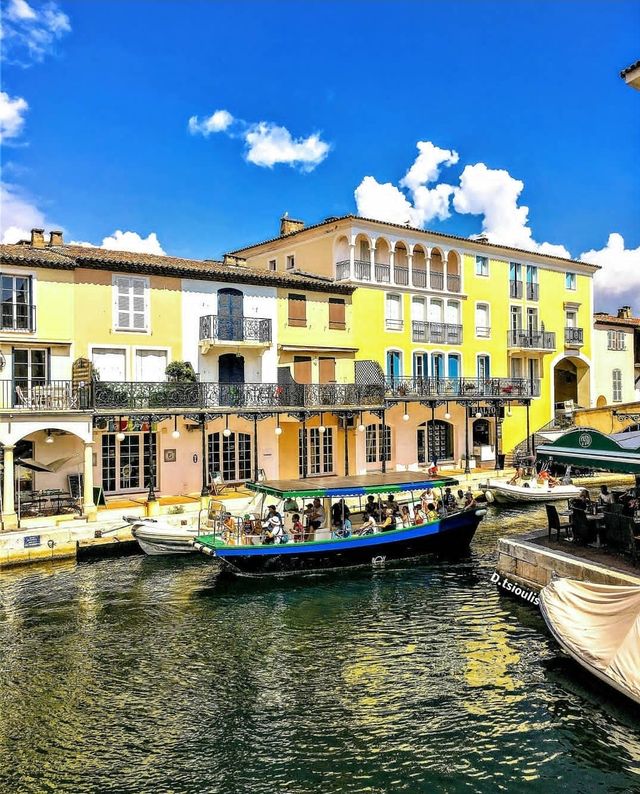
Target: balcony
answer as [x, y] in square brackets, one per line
[342, 270]
[383, 273]
[419, 278]
[55, 395]
[573, 337]
[531, 340]
[515, 289]
[483, 332]
[436, 280]
[463, 388]
[440, 333]
[245, 331]
[17, 317]
[362, 269]
[401, 275]
[453, 282]
[532, 292]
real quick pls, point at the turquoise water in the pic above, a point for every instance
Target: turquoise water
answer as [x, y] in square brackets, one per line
[149, 675]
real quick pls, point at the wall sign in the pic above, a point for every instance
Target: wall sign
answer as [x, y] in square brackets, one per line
[31, 541]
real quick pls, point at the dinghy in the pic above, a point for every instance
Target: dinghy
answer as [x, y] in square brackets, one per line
[502, 492]
[598, 625]
[159, 537]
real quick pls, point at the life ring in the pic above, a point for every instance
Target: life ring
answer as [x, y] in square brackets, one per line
[489, 497]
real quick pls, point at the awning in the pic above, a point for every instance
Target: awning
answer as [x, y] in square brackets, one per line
[358, 485]
[593, 450]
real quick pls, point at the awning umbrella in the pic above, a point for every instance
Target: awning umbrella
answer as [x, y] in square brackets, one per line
[33, 465]
[593, 450]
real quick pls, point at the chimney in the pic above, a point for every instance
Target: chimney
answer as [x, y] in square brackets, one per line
[233, 261]
[289, 225]
[55, 237]
[37, 238]
[624, 313]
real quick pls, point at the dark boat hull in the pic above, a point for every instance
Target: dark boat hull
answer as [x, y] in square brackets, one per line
[450, 535]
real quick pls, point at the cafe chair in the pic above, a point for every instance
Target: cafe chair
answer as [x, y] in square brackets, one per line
[554, 523]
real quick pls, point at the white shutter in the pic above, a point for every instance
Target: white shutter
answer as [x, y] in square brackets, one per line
[393, 307]
[110, 363]
[435, 312]
[453, 312]
[131, 303]
[151, 365]
[482, 315]
[418, 310]
[123, 307]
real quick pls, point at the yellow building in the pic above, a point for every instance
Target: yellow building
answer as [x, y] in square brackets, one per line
[473, 341]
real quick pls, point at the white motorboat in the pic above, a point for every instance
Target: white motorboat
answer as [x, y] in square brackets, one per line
[160, 537]
[598, 625]
[502, 492]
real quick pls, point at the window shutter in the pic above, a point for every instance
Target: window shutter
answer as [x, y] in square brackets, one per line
[327, 370]
[123, 303]
[297, 310]
[337, 313]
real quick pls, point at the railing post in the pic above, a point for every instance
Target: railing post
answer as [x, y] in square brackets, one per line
[151, 495]
[255, 447]
[203, 452]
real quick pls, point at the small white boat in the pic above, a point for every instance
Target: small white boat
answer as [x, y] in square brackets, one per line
[598, 625]
[160, 537]
[501, 492]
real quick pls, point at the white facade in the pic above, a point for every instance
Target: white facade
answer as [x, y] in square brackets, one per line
[613, 360]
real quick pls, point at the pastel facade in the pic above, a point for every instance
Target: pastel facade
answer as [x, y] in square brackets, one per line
[616, 346]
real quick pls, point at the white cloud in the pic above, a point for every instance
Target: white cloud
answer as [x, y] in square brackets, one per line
[30, 32]
[12, 112]
[426, 167]
[133, 242]
[219, 121]
[620, 272]
[383, 202]
[19, 215]
[267, 144]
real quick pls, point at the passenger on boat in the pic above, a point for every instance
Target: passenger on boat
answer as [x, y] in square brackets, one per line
[419, 516]
[343, 529]
[372, 508]
[460, 499]
[274, 531]
[297, 529]
[369, 525]
[290, 504]
[392, 504]
[441, 510]
[469, 501]
[228, 527]
[405, 516]
[426, 497]
[339, 512]
[431, 514]
[389, 522]
[517, 477]
[449, 500]
[317, 517]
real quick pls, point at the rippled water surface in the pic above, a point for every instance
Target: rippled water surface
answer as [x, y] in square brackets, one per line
[148, 674]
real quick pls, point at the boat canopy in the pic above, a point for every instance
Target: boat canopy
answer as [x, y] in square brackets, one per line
[595, 450]
[358, 485]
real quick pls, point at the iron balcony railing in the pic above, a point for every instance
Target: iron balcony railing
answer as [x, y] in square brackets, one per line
[342, 270]
[463, 388]
[443, 333]
[573, 336]
[17, 317]
[419, 278]
[383, 273]
[436, 280]
[515, 289]
[235, 329]
[453, 282]
[531, 340]
[532, 292]
[41, 395]
[401, 275]
[362, 269]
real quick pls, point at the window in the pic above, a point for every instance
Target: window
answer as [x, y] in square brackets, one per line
[453, 312]
[420, 365]
[616, 340]
[483, 324]
[453, 365]
[18, 312]
[30, 373]
[482, 266]
[230, 456]
[365, 251]
[291, 262]
[337, 314]
[570, 280]
[516, 368]
[532, 282]
[617, 385]
[393, 312]
[272, 264]
[126, 464]
[131, 303]
[315, 452]
[394, 365]
[532, 320]
[571, 319]
[378, 443]
[151, 365]
[418, 310]
[297, 310]
[110, 363]
[515, 280]
[484, 367]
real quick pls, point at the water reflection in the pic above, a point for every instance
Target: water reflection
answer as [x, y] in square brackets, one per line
[150, 674]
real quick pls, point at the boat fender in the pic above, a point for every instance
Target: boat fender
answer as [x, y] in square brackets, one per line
[481, 513]
[489, 497]
[378, 562]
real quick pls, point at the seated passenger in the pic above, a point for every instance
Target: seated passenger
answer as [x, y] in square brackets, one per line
[273, 527]
[405, 516]
[419, 516]
[449, 499]
[517, 477]
[431, 514]
[460, 499]
[469, 501]
[372, 508]
[369, 525]
[297, 529]
[389, 522]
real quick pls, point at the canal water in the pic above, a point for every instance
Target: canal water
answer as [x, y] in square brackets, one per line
[150, 675]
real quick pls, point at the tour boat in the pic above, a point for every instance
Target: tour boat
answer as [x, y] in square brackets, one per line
[598, 625]
[159, 537]
[324, 551]
[502, 492]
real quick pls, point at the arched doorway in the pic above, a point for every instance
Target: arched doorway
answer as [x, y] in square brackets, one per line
[230, 314]
[571, 382]
[435, 442]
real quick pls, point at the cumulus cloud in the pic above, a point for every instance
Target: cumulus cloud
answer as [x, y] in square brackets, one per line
[382, 202]
[30, 32]
[131, 242]
[12, 112]
[19, 215]
[426, 167]
[266, 144]
[620, 272]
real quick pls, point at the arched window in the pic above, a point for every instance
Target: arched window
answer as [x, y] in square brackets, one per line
[435, 441]
[230, 314]
[230, 456]
[378, 443]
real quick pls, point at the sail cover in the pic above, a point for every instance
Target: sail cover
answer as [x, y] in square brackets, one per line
[599, 625]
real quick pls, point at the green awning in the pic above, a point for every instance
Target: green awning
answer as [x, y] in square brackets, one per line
[592, 450]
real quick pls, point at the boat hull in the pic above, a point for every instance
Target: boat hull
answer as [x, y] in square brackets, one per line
[158, 539]
[517, 494]
[450, 535]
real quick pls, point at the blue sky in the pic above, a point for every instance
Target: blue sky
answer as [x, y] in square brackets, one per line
[527, 88]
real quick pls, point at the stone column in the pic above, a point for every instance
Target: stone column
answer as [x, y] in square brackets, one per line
[88, 507]
[372, 259]
[445, 270]
[410, 267]
[427, 264]
[9, 517]
[392, 266]
[352, 257]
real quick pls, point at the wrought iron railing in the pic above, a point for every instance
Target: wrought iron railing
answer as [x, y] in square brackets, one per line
[55, 395]
[443, 333]
[17, 317]
[515, 289]
[532, 292]
[419, 278]
[463, 388]
[235, 329]
[535, 340]
[436, 280]
[453, 282]
[362, 269]
[383, 273]
[573, 336]
[342, 270]
[401, 275]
